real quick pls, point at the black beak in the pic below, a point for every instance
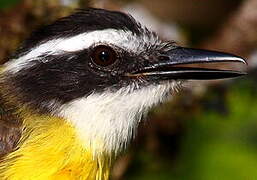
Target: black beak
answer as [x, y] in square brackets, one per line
[174, 64]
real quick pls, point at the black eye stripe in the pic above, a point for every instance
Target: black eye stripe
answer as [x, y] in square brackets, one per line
[103, 55]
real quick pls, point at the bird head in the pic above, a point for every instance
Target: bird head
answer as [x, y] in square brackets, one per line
[101, 71]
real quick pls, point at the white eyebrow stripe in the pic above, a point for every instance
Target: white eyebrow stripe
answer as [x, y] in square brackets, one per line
[83, 41]
[123, 39]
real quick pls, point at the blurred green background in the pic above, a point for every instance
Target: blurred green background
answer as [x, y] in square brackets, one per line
[208, 131]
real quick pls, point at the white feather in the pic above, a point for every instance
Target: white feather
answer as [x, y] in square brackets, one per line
[106, 122]
[123, 39]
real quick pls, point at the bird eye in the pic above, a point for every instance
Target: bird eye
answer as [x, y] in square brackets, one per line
[103, 55]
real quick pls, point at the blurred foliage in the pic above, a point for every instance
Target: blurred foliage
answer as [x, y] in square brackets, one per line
[7, 3]
[216, 144]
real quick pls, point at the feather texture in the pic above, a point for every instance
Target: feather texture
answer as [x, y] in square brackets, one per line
[49, 149]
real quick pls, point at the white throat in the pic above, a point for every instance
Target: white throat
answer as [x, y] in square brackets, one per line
[106, 122]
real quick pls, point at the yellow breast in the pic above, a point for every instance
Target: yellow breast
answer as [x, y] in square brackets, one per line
[50, 149]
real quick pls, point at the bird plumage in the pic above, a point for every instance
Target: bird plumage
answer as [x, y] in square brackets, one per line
[77, 89]
[49, 149]
[73, 124]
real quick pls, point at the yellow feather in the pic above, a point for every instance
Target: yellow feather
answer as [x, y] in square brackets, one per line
[50, 149]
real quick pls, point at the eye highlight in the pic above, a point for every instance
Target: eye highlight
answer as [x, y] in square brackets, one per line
[103, 55]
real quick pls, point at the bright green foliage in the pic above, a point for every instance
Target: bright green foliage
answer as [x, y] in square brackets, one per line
[219, 147]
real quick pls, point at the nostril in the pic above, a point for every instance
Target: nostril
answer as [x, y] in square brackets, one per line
[163, 58]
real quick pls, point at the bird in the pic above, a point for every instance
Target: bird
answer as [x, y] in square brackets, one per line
[74, 93]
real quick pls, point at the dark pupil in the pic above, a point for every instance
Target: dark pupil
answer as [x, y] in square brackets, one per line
[104, 56]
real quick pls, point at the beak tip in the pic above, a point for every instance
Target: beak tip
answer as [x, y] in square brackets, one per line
[239, 59]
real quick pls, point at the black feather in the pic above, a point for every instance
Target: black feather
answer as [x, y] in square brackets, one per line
[83, 20]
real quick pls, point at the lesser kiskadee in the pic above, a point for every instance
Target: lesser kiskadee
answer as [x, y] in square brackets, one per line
[73, 95]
